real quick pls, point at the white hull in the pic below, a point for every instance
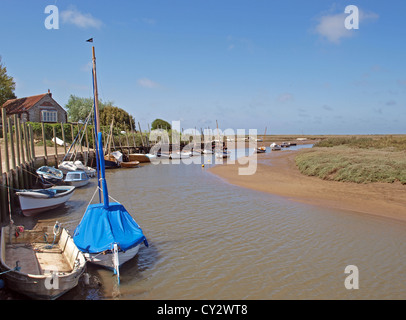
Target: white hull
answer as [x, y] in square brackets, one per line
[207, 151]
[106, 260]
[69, 166]
[33, 202]
[78, 184]
[141, 157]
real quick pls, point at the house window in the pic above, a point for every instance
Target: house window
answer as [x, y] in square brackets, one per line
[49, 116]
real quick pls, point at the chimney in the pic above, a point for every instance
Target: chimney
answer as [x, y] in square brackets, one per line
[49, 93]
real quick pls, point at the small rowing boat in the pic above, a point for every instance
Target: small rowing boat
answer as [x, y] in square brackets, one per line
[37, 268]
[34, 201]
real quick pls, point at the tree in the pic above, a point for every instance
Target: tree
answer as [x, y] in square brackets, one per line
[7, 85]
[160, 124]
[79, 108]
[121, 118]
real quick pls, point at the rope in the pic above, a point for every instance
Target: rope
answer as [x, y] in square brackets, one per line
[17, 268]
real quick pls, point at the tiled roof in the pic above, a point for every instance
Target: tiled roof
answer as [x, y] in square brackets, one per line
[23, 104]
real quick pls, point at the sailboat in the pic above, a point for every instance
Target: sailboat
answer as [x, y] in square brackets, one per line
[221, 153]
[107, 234]
[261, 149]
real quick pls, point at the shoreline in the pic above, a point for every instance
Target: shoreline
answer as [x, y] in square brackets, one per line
[278, 174]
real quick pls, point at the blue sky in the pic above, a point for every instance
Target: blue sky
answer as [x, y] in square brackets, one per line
[290, 66]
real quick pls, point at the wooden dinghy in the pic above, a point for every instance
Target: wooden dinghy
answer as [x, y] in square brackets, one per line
[40, 269]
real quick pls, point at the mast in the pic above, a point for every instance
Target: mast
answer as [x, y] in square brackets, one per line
[96, 94]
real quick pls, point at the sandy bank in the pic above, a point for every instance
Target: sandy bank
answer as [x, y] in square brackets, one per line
[277, 174]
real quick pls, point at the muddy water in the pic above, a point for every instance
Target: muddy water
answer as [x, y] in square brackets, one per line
[211, 240]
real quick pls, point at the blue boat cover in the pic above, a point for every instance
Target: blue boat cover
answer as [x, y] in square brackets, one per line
[101, 227]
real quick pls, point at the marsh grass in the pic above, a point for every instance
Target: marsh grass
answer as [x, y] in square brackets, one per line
[360, 160]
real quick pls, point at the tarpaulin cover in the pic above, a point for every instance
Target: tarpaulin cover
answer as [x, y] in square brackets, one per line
[100, 228]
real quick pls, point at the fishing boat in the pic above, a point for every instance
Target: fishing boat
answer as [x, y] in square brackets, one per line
[107, 234]
[77, 178]
[50, 175]
[34, 201]
[275, 147]
[37, 268]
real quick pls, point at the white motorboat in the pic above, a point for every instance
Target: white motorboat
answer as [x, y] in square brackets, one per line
[34, 201]
[77, 178]
[275, 147]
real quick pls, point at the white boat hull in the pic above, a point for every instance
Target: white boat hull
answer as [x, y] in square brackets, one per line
[32, 202]
[106, 260]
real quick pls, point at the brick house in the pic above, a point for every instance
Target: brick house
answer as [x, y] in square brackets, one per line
[40, 108]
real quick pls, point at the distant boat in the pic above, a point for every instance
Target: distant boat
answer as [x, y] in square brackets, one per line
[207, 151]
[223, 154]
[275, 147]
[285, 145]
[50, 175]
[27, 260]
[260, 150]
[34, 201]
[141, 157]
[77, 178]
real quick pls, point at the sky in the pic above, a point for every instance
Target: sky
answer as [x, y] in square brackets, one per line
[291, 66]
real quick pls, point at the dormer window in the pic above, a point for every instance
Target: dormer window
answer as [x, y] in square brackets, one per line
[49, 116]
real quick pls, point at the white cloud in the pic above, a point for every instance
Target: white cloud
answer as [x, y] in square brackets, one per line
[81, 20]
[331, 26]
[147, 83]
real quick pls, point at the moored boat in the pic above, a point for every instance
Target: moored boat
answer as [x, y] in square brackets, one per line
[77, 178]
[37, 268]
[141, 157]
[50, 175]
[34, 201]
[275, 147]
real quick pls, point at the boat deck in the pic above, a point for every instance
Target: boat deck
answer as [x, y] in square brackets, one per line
[36, 258]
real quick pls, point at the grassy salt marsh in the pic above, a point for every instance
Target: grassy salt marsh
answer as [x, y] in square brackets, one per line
[359, 160]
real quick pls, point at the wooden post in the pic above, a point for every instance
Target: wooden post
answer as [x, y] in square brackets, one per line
[4, 198]
[56, 148]
[16, 126]
[21, 135]
[44, 140]
[63, 137]
[32, 141]
[5, 139]
[14, 182]
[81, 147]
[71, 131]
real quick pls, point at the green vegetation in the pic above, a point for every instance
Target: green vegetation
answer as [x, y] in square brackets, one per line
[160, 124]
[7, 85]
[359, 160]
